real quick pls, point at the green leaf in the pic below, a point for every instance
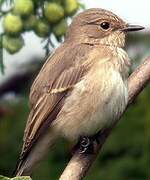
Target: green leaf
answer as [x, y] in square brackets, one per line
[1, 2]
[15, 178]
[3, 178]
[21, 178]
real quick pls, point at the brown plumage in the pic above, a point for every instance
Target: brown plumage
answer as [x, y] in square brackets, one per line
[89, 50]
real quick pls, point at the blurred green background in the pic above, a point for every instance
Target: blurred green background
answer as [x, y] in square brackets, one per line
[126, 153]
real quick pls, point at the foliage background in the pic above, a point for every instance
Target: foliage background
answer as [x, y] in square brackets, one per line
[125, 155]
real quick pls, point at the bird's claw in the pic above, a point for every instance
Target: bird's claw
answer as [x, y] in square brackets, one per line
[86, 145]
[85, 142]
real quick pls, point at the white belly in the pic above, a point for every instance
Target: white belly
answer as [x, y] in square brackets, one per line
[92, 105]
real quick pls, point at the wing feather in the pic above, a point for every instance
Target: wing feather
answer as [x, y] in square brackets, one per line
[49, 90]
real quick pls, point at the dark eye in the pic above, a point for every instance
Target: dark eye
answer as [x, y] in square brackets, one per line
[105, 25]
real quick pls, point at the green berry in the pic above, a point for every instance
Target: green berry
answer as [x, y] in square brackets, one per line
[12, 44]
[42, 28]
[23, 7]
[53, 12]
[60, 28]
[12, 24]
[71, 6]
[30, 22]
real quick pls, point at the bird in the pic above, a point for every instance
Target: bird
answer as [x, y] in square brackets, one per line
[81, 88]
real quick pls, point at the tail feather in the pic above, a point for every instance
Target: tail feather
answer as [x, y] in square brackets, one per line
[40, 149]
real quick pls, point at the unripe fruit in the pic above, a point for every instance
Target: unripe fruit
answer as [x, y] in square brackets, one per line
[42, 28]
[23, 7]
[53, 12]
[12, 44]
[71, 6]
[30, 22]
[60, 28]
[12, 24]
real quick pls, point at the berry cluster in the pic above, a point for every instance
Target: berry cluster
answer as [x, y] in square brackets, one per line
[41, 16]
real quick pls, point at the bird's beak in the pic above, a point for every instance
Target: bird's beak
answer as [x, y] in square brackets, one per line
[130, 28]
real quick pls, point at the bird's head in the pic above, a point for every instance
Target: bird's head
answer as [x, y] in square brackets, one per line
[100, 26]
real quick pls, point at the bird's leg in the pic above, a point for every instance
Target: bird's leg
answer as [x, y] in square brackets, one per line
[85, 145]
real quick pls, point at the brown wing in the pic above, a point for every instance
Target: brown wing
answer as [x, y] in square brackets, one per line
[49, 90]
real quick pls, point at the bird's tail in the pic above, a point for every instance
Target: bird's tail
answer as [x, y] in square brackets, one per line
[26, 166]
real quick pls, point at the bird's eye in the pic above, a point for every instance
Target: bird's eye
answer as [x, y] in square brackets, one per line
[105, 25]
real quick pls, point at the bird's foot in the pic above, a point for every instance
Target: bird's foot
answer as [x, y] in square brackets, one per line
[85, 145]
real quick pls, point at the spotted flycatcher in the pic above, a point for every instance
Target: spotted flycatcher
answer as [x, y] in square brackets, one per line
[82, 87]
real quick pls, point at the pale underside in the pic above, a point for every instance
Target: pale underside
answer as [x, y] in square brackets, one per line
[93, 104]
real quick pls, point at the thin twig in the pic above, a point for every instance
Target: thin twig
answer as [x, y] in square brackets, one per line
[80, 163]
[2, 67]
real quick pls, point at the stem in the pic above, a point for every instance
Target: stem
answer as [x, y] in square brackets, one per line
[2, 67]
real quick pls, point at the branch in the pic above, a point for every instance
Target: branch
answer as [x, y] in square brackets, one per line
[80, 163]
